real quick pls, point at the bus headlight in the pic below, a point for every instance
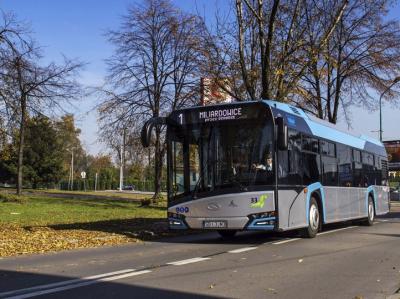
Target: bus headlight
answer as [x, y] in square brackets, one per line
[265, 219]
[262, 215]
[176, 221]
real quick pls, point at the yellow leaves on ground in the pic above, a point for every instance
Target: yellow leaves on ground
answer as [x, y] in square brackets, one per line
[16, 240]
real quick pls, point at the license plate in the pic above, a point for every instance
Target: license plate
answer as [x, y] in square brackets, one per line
[215, 224]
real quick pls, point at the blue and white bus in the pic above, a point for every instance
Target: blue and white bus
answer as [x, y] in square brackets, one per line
[266, 165]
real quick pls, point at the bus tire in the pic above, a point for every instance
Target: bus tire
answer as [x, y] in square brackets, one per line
[314, 220]
[227, 234]
[369, 221]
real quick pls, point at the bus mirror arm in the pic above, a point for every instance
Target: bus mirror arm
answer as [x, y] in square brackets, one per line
[282, 133]
[145, 135]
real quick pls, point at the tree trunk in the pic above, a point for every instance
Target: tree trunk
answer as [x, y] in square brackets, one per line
[21, 145]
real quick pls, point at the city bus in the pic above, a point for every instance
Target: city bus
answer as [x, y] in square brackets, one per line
[268, 166]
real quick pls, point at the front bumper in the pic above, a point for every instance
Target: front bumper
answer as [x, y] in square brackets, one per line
[233, 223]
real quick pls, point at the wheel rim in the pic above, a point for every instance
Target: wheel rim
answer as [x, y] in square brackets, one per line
[371, 211]
[314, 218]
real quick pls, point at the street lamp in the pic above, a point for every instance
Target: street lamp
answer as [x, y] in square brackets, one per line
[395, 80]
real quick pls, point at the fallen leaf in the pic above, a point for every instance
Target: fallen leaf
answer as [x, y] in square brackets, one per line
[300, 260]
[272, 290]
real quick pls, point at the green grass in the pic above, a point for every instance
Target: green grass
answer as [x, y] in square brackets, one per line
[110, 194]
[45, 210]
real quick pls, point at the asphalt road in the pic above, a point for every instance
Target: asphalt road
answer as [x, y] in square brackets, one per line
[345, 261]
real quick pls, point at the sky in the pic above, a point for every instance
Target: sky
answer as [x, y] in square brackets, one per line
[75, 28]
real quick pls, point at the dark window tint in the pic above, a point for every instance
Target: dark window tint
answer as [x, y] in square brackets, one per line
[310, 144]
[294, 140]
[368, 159]
[332, 150]
[369, 170]
[384, 171]
[344, 155]
[290, 164]
[330, 171]
[358, 175]
[377, 162]
[356, 156]
[327, 148]
[311, 169]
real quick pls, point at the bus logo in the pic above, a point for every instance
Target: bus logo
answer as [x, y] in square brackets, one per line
[258, 202]
[213, 206]
[233, 205]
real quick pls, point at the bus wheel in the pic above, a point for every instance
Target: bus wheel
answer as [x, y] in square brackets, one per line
[314, 220]
[226, 234]
[371, 213]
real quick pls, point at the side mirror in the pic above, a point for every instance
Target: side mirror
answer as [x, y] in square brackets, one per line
[282, 133]
[145, 135]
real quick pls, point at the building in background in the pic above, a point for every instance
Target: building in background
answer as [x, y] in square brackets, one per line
[393, 150]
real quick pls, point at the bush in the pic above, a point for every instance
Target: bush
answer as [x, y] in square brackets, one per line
[9, 197]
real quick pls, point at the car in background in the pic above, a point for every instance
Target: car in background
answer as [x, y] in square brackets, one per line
[128, 187]
[394, 193]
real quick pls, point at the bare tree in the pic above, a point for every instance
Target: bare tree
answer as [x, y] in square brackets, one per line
[30, 88]
[361, 58]
[14, 39]
[154, 70]
[263, 51]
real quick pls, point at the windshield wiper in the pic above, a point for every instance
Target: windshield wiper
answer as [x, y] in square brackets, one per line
[196, 187]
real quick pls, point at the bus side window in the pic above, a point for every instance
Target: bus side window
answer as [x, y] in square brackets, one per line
[358, 178]
[384, 164]
[368, 169]
[344, 155]
[378, 170]
[294, 176]
[177, 167]
[292, 159]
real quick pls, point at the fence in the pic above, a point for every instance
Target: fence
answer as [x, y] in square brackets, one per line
[89, 185]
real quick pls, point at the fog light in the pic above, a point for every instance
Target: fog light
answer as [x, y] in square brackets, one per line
[175, 222]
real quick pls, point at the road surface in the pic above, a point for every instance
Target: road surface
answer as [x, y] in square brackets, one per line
[344, 261]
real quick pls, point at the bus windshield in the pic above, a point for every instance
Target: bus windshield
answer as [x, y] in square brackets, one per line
[213, 156]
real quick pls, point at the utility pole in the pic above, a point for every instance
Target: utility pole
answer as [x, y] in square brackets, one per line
[122, 160]
[95, 183]
[72, 169]
[71, 172]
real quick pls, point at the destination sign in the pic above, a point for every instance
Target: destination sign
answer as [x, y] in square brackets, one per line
[229, 112]
[220, 114]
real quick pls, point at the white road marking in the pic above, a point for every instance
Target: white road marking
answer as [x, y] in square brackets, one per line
[286, 241]
[383, 220]
[239, 250]
[335, 230]
[189, 261]
[63, 283]
[77, 285]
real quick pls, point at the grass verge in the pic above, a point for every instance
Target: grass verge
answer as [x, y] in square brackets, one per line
[43, 222]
